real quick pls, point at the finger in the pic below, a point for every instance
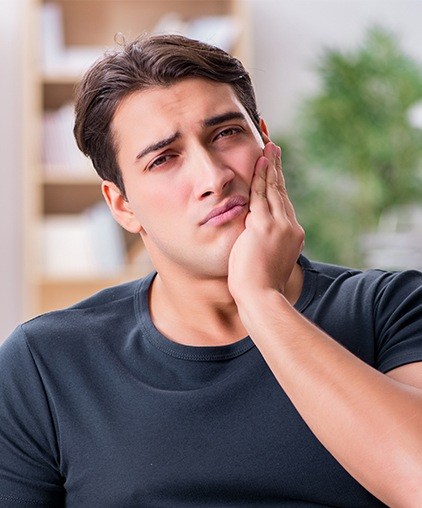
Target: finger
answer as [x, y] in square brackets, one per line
[279, 203]
[273, 153]
[266, 138]
[283, 191]
[288, 206]
[258, 195]
[275, 181]
[285, 208]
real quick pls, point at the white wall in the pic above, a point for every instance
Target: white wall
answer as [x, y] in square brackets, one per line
[11, 163]
[289, 35]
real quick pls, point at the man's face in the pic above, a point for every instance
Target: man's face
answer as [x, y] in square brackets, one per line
[187, 155]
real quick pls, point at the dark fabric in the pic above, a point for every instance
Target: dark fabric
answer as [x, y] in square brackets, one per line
[98, 409]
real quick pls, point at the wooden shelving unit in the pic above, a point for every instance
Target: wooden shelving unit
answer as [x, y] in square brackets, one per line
[68, 190]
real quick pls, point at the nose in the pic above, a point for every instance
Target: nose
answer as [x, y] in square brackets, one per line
[212, 175]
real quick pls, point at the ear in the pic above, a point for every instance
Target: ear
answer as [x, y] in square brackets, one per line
[264, 129]
[119, 207]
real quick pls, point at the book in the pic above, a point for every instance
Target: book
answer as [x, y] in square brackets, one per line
[89, 244]
[61, 155]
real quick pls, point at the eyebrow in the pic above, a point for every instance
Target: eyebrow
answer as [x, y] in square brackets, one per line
[158, 145]
[208, 122]
[225, 117]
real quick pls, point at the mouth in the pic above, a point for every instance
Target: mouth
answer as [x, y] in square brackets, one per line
[222, 214]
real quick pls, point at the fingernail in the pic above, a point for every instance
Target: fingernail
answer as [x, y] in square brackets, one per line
[276, 151]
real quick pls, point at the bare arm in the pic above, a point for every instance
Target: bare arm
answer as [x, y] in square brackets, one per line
[345, 402]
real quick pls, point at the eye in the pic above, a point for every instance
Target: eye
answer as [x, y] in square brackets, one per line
[230, 131]
[159, 161]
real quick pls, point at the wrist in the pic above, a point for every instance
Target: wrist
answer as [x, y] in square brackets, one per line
[257, 305]
[248, 294]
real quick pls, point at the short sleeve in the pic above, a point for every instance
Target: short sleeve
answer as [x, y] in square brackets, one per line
[398, 320]
[29, 457]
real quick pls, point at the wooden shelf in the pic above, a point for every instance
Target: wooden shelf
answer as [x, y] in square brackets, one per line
[56, 191]
[63, 178]
[75, 197]
[60, 293]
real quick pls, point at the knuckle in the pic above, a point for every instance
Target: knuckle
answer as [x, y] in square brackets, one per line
[300, 235]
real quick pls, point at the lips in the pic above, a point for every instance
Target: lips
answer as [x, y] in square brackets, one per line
[236, 202]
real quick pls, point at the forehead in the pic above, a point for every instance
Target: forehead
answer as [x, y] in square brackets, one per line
[191, 99]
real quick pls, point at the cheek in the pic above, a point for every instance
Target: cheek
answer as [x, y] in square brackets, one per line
[160, 199]
[246, 162]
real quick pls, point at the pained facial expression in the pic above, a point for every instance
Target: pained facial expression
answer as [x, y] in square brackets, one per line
[187, 155]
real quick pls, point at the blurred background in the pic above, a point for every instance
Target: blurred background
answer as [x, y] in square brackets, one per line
[339, 83]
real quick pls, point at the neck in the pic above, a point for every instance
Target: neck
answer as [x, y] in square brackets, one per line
[195, 312]
[202, 312]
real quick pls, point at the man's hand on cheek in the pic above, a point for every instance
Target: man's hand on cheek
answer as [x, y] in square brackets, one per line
[266, 251]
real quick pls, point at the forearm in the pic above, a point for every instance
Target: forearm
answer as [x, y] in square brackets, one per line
[370, 423]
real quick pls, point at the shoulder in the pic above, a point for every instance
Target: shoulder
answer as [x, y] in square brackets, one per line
[362, 294]
[374, 283]
[376, 314]
[84, 321]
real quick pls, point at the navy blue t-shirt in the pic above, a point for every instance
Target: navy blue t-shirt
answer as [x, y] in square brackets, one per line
[98, 409]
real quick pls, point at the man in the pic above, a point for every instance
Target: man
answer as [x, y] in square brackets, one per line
[237, 374]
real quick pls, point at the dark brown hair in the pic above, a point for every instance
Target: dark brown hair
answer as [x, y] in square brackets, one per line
[148, 61]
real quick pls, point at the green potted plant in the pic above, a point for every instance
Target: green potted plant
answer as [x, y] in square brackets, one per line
[356, 154]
